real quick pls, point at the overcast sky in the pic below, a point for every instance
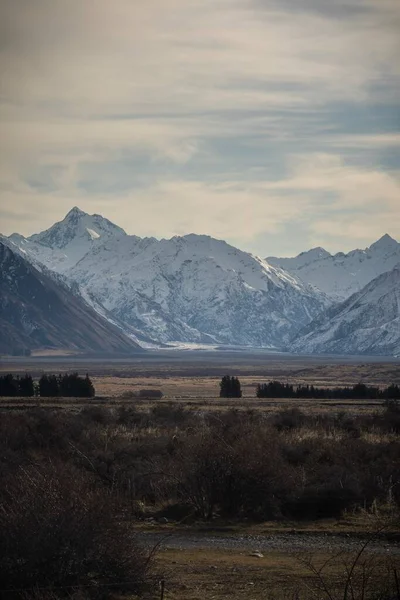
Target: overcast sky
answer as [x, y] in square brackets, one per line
[273, 124]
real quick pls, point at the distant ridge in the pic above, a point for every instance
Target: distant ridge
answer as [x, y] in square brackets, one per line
[341, 275]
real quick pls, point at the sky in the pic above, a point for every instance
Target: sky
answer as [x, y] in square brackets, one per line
[272, 124]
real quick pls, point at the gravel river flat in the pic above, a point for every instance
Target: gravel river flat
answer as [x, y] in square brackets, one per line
[284, 542]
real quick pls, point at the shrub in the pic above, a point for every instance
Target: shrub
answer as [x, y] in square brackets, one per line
[290, 418]
[60, 531]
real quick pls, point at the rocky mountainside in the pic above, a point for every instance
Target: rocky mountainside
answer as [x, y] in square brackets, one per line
[36, 311]
[341, 275]
[196, 289]
[366, 323]
[188, 289]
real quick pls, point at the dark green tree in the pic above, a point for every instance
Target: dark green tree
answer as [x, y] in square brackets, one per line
[26, 386]
[87, 387]
[8, 385]
[48, 386]
[73, 385]
[230, 387]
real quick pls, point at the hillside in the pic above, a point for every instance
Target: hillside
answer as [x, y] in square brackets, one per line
[367, 323]
[39, 312]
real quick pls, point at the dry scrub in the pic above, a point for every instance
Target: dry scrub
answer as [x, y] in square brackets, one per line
[75, 482]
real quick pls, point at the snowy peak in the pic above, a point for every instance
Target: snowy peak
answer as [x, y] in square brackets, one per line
[315, 254]
[386, 244]
[67, 241]
[342, 275]
[300, 261]
[77, 225]
[75, 211]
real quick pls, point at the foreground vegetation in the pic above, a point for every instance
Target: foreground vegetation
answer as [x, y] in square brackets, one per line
[75, 483]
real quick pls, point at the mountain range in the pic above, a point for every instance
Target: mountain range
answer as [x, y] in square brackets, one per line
[197, 289]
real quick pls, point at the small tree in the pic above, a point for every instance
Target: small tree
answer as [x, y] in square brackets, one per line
[230, 387]
[87, 387]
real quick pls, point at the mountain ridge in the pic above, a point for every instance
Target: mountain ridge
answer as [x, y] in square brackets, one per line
[342, 274]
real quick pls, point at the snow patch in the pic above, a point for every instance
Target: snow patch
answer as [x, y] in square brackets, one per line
[93, 234]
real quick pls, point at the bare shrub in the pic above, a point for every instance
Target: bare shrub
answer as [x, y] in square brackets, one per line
[58, 531]
[365, 576]
[290, 418]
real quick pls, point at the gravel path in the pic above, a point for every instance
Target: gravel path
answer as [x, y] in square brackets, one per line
[284, 542]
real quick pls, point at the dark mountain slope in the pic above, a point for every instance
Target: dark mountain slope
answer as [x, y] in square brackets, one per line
[38, 312]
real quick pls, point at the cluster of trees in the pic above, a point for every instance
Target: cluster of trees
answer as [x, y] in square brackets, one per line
[69, 385]
[230, 387]
[16, 386]
[360, 391]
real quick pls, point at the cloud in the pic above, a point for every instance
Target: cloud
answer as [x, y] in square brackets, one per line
[366, 141]
[333, 204]
[190, 55]
[230, 117]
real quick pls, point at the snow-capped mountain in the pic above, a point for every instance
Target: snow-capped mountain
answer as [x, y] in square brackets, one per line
[36, 311]
[341, 275]
[366, 323]
[191, 288]
[67, 241]
[196, 288]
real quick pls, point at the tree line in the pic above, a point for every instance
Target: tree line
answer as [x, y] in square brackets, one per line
[230, 387]
[360, 391]
[66, 385]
